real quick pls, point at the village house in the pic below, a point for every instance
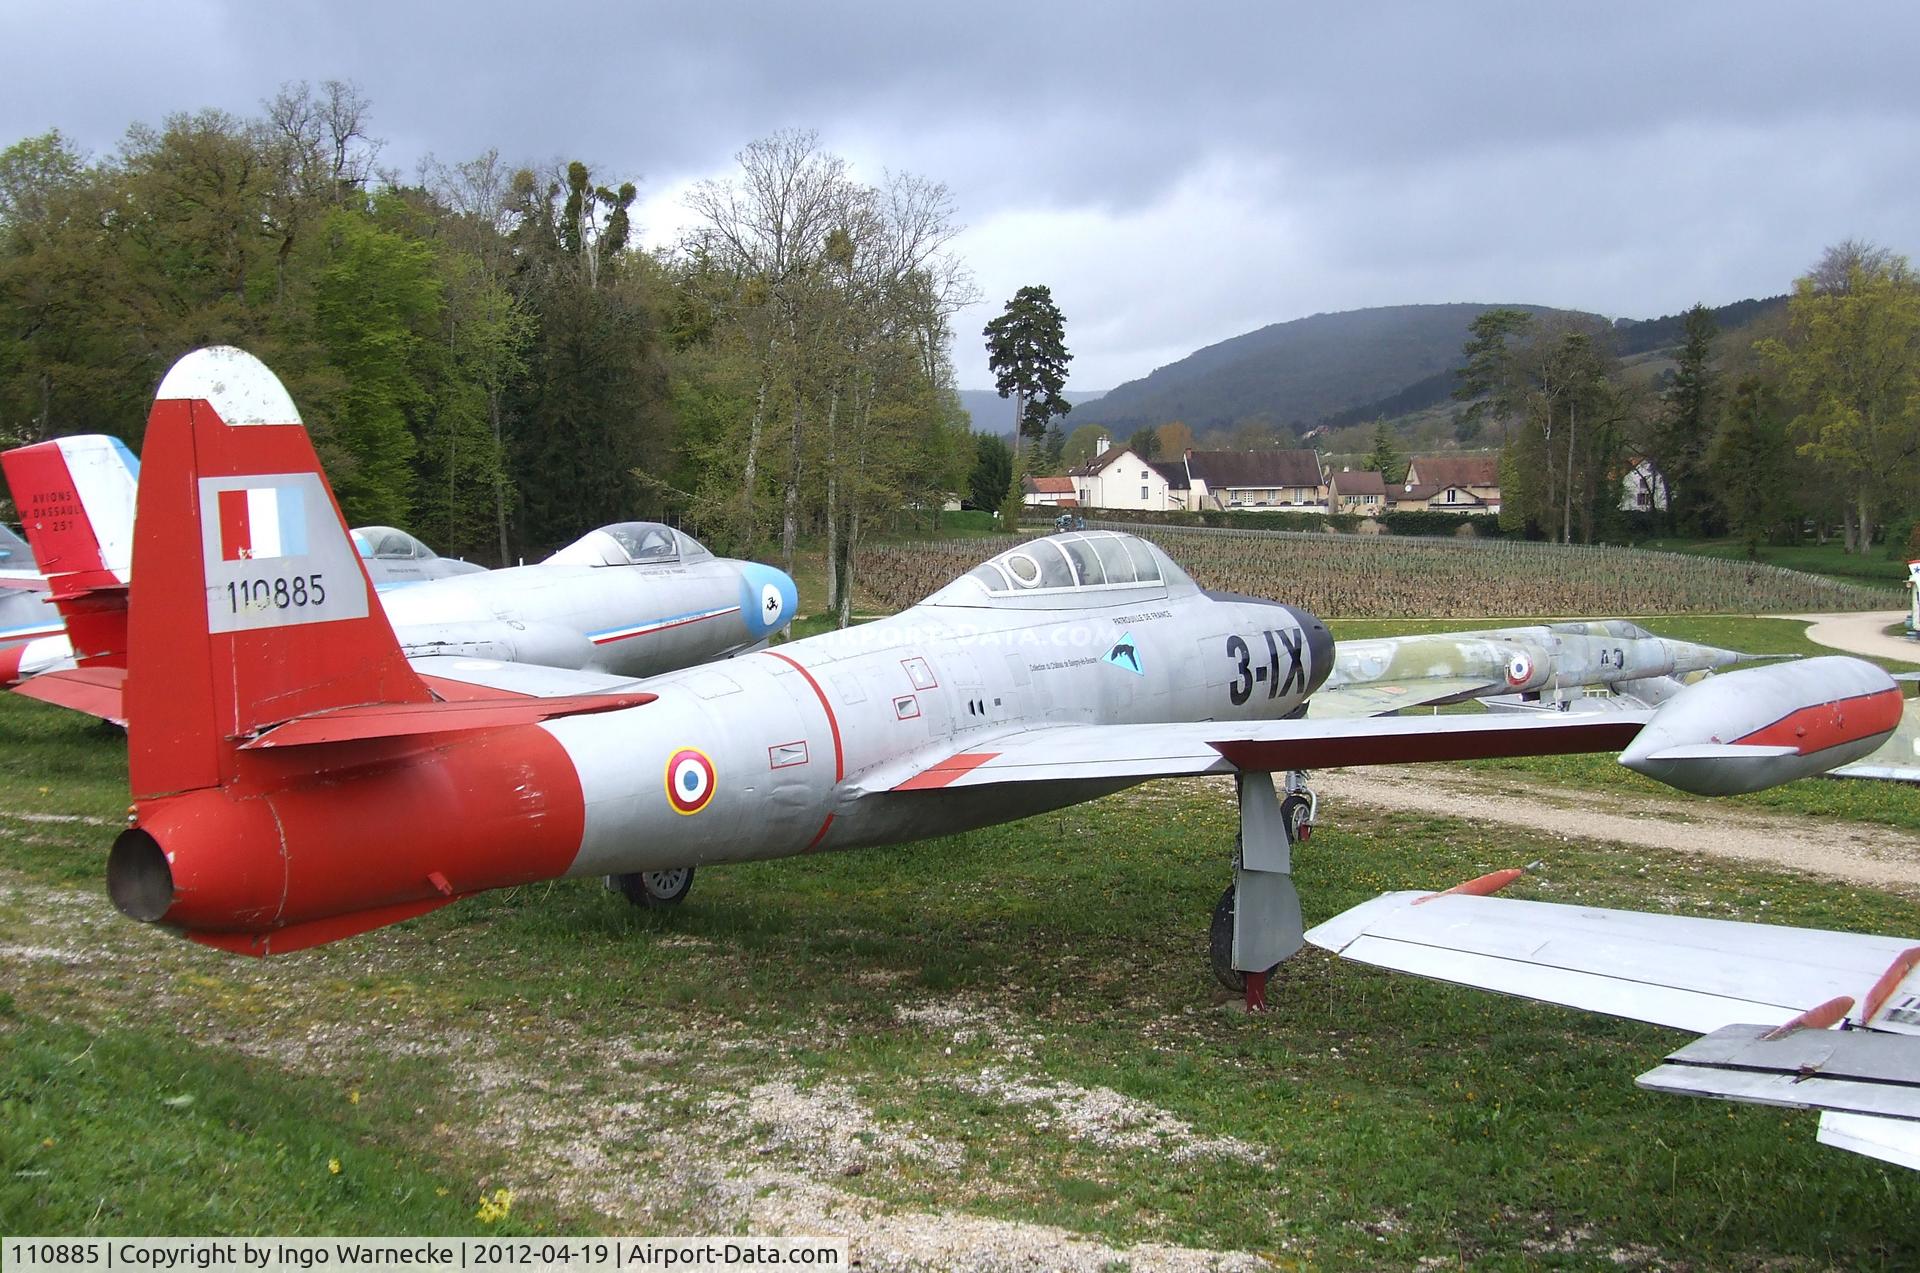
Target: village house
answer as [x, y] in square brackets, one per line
[1363, 492]
[1643, 489]
[1451, 484]
[1117, 478]
[1256, 479]
[1049, 492]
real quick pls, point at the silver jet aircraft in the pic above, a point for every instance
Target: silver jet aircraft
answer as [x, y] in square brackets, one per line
[395, 557]
[275, 721]
[628, 600]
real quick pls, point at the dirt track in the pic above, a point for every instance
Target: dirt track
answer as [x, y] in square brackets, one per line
[1857, 852]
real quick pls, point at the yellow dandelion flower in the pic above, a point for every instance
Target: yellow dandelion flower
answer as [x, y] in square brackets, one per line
[493, 1210]
[333, 1166]
[353, 1097]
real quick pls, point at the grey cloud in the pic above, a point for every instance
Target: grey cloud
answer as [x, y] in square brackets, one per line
[1624, 157]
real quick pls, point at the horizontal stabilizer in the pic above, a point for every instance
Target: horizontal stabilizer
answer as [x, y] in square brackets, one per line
[400, 720]
[96, 691]
[1851, 1071]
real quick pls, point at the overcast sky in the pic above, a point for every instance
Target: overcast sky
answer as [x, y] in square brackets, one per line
[1177, 174]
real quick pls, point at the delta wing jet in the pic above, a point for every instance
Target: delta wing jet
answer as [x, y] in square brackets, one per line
[297, 781]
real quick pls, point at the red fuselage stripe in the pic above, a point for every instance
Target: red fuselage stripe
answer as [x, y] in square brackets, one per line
[1825, 725]
[833, 726]
[833, 722]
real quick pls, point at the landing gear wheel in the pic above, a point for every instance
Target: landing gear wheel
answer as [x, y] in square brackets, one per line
[1294, 812]
[654, 888]
[1220, 946]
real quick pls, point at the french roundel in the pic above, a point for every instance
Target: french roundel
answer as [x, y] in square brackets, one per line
[689, 780]
[770, 605]
[1519, 670]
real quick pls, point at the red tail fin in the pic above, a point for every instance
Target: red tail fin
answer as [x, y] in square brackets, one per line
[76, 501]
[249, 603]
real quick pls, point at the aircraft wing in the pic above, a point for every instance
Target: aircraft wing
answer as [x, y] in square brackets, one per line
[1672, 970]
[1377, 699]
[454, 677]
[1735, 982]
[1072, 753]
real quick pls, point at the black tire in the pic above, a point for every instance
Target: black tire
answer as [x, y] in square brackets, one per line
[1220, 945]
[1293, 816]
[656, 888]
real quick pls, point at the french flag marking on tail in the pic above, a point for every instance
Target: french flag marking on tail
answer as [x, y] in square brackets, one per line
[261, 522]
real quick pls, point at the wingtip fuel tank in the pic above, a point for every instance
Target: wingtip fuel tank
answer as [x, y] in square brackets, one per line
[1749, 730]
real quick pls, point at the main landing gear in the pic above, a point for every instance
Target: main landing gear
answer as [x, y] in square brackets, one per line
[1256, 924]
[653, 888]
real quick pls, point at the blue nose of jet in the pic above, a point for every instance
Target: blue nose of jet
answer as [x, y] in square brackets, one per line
[768, 599]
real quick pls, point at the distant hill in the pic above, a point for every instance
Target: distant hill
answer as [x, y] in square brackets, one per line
[994, 414]
[1297, 373]
[1338, 370]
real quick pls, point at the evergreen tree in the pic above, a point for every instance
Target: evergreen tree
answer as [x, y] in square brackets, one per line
[1145, 443]
[1027, 352]
[1748, 461]
[1489, 381]
[1685, 431]
[992, 471]
[1384, 457]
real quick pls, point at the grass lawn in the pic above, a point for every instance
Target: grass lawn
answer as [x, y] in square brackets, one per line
[1015, 1023]
[1831, 559]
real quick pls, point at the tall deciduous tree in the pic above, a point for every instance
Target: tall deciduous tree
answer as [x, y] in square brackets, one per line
[1851, 365]
[1027, 352]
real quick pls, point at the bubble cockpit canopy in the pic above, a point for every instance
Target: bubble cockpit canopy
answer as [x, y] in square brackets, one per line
[389, 543]
[631, 544]
[1086, 568]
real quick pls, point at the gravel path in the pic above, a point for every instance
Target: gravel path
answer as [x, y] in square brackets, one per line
[1859, 633]
[1859, 853]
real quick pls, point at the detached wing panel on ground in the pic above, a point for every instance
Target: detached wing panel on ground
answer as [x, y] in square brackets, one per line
[1759, 993]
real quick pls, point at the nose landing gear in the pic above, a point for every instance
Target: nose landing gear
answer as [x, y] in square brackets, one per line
[1256, 923]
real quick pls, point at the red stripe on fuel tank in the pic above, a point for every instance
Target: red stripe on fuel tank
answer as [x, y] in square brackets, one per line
[833, 723]
[1827, 725]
